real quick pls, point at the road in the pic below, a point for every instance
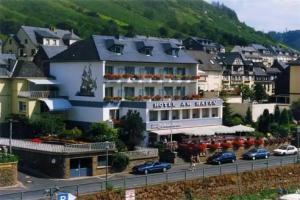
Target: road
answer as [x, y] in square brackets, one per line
[34, 188]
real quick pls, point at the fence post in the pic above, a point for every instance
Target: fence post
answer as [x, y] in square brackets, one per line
[203, 173]
[267, 163]
[77, 190]
[124, 183]
[21, 195]
[238, 178]
[280, 162]
[220, 169]
[167, 177]
[185, 175]
[146, 180]
[252, 168]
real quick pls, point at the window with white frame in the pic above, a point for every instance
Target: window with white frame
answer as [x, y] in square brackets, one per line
[149, 91]
[22, 106]
[168, 91]
[205, 112]
[185, 114]
[215, 112]
[114, 114]
[153, 116]
[109, 91]
[164, 115]
[196, 113]
[175, 114]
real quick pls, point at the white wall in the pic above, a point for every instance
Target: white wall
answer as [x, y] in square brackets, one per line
[256, 109]
[69, 76]
[85, 114]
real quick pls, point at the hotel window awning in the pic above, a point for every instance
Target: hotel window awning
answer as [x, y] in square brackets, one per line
[44, 81]
[57, 104]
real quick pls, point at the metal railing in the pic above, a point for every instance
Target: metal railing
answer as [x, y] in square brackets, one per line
[200, 172]
[55, 148]
[38, 94]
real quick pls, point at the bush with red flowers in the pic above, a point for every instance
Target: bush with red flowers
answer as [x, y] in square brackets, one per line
[226, 145]
[169, 76]
[258, 142]
[202, 147]
[237, 144]
[213, 146]
[249, 142]
[36, 140]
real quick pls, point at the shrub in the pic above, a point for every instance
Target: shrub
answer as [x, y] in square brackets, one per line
[71, 134]
[248, 143]
[120, 161]
[258, 142]
[101, 132]
[5, 158]
[237, 144]
[226, 145]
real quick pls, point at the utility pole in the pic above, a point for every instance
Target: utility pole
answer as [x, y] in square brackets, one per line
[10, 135]
[106, 169]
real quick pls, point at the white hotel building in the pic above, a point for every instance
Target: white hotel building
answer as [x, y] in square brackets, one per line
[103, 77]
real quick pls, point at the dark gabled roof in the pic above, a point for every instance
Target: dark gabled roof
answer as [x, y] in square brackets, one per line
[83, 50]
[259, 47]
[279, 65]
[45, 34]
[97, 48]
[31, 32]
[296, 62]
[51, 51]
[27, 69]
[5, 57]
[229, 57]
[259, 64]
[70, 36]
[258, 71]
[272, 70]
[208, 61]
[238, 48]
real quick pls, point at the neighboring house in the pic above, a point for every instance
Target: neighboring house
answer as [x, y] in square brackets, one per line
[248, 52]
[282, 54]
[201, 44]
[26, 42]
[211, 79]
[26, 91]
[236, 70]
[266, 55]
[106, 77]
[261, 76]
[287, 88]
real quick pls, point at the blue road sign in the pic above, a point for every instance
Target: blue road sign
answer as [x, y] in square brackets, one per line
[65, 196]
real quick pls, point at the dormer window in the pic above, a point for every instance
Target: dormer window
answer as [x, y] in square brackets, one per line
[118, 49]
[148, 51]
[175, 52]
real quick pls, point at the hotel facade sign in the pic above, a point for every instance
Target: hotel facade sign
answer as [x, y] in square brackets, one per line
[184, 104]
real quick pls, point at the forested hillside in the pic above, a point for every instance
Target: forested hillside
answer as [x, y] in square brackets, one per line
[165, 18]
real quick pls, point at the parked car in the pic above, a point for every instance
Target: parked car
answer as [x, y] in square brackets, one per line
[150, 167]
[285, 150]
[256, 153]
[222, 157]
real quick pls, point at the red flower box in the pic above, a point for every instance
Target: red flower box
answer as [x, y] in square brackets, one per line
[169, 76]
[156, 98]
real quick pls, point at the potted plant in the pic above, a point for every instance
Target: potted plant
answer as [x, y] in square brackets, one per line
[156, 98]
[108, 98]
[156, 77]
[169, 76]
[147, 98]
[176, 97]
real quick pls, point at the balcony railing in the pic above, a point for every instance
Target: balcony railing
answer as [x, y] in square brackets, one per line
[154, 98]
[38, 94]
[146, 77]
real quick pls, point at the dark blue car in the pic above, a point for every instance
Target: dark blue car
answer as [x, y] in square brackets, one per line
[150, 167]
[256, 153]
[222, 157]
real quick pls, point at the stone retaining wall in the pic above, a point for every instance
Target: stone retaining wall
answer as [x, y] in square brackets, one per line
[8, 174]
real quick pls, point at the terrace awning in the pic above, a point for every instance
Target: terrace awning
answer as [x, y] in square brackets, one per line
[242, 128]
[44, 81]
[57, 104]
[197, 131]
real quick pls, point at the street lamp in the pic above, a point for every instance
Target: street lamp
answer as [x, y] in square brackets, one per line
[106, 169]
